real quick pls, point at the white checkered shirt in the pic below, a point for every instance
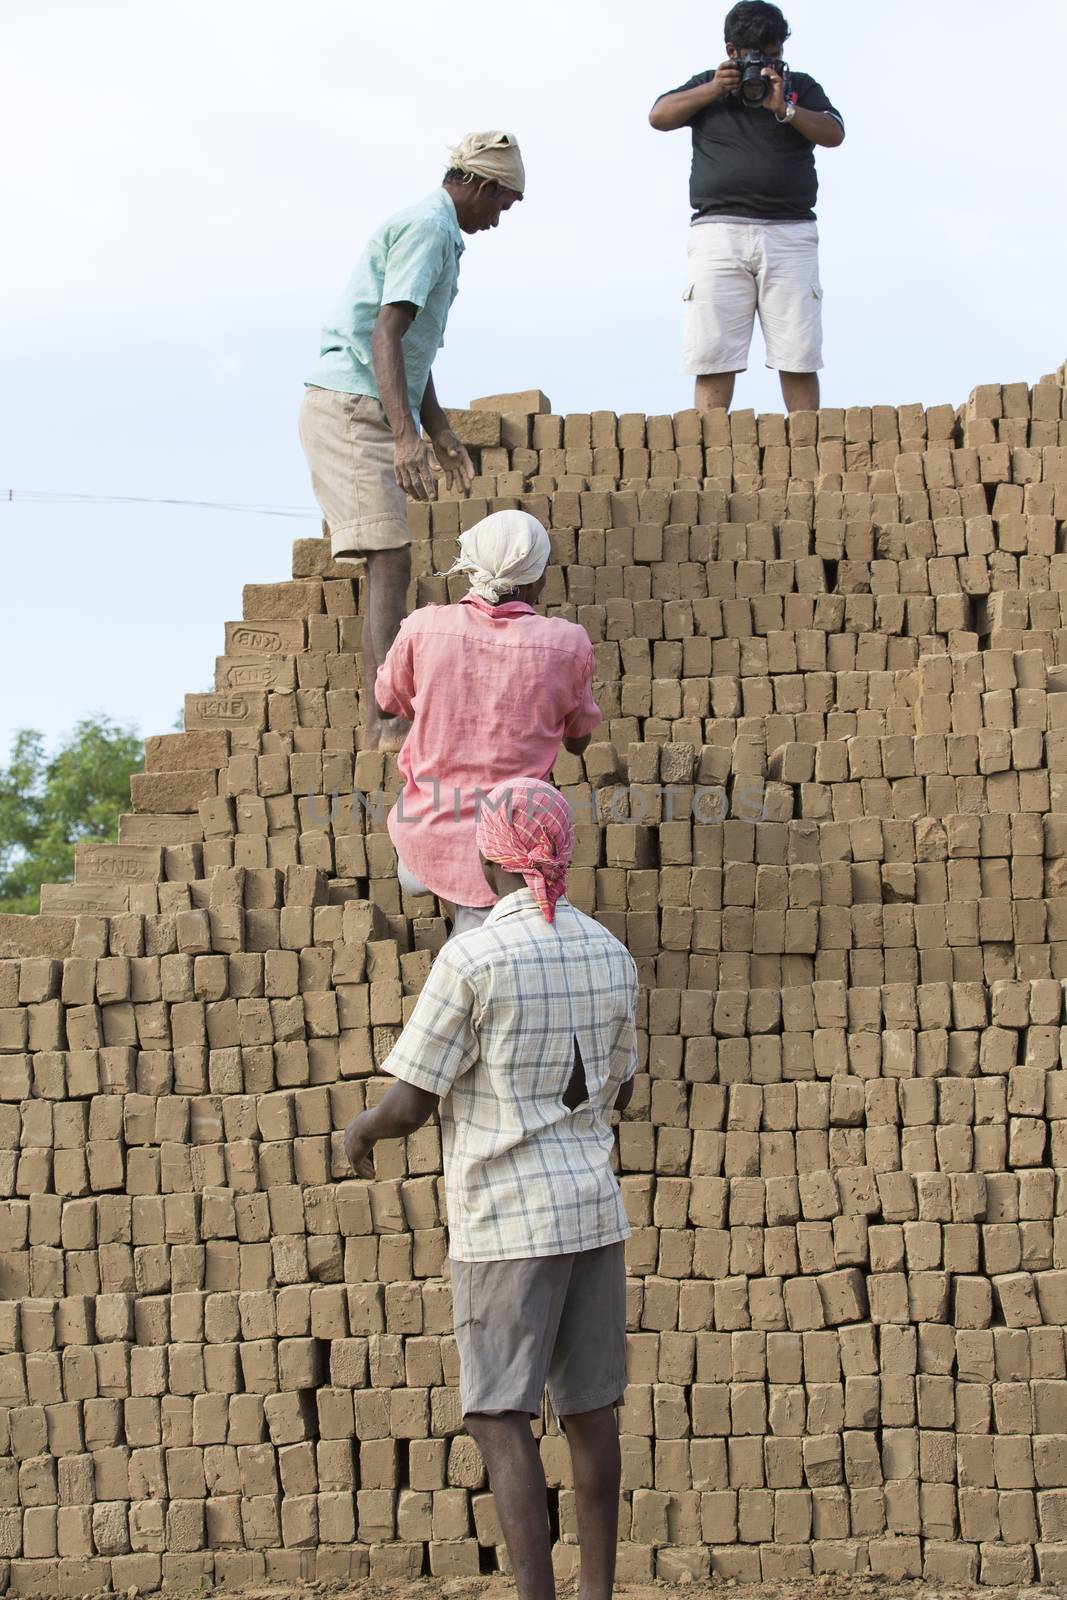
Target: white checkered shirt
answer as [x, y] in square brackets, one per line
[493, 1033]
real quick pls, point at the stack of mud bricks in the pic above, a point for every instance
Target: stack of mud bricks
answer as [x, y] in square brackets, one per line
[827, 812]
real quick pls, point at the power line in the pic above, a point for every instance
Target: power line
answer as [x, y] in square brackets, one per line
[57, 497]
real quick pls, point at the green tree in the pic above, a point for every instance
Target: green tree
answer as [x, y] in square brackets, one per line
[48, 803]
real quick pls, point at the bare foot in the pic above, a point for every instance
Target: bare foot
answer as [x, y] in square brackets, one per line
[392, 733]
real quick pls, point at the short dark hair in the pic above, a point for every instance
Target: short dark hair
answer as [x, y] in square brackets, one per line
[752, 24]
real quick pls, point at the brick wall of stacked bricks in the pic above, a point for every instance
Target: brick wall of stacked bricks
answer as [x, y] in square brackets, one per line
[826, 811]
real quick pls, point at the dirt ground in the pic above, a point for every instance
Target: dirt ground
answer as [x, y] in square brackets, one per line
[500, 1588]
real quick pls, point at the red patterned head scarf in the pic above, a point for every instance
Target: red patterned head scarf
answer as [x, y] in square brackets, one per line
[525, 827]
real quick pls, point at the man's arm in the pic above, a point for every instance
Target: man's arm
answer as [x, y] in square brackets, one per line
[821, 127]
[452, 457]
[401, 1110]
[626, 1088]
[412, 461]
[394, 687]
[585, 716]
[677, 109]
[438, 1045]
[625, 1095]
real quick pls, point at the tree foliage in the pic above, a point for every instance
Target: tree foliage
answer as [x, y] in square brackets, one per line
[48, 803]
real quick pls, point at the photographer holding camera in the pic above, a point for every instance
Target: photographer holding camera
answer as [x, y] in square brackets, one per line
[753, 244]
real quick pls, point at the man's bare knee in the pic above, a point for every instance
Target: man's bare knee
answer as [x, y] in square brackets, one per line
[389, 566]
[496, 1431]
[494, 1422]
[714, 391]
[800, 390]
[400, 556]
[590, 1421]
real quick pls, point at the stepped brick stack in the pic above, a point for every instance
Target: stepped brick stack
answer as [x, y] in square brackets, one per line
[827, 812]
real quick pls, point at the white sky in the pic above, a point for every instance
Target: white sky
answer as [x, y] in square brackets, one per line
[186, 187]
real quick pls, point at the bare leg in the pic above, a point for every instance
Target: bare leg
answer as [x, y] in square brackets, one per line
[388, 575]
[800, 390]
[593, 1437]
[517, 1480]
[715, 390]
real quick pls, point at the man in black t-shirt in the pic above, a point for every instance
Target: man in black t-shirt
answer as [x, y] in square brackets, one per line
[753, 244]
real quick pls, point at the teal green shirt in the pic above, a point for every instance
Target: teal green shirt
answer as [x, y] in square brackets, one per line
[414, 257]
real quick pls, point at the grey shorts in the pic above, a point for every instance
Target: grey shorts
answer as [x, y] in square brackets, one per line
[349, 448]
[555, 1318]
[466, 917]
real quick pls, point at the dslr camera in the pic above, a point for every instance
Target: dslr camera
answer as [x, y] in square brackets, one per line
[754, 87]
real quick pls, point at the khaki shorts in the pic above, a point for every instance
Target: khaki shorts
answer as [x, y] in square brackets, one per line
[560, 1318]
[349, 448]
[739, 269]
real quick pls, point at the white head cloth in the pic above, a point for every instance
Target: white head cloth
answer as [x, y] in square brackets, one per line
[492, 155]
[501, 553]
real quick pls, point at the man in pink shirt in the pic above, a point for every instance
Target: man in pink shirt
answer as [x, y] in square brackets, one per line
[492, 690]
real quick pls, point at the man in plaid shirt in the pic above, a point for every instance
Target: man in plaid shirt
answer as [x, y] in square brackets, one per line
[523, 1037]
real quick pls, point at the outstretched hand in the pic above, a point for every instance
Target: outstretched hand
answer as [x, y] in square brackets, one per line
[412, 464]
[358, 1150]
[453, 459]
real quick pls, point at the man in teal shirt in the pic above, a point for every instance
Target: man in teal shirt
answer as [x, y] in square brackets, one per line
[373, 386]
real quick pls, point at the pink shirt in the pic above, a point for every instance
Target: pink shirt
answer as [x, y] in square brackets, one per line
[492, 692]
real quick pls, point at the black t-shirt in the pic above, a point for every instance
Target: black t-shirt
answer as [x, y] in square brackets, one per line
[747, 164]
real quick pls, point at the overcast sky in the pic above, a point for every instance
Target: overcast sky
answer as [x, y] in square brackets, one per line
[187, 184]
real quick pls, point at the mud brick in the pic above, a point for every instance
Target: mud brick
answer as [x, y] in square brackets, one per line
[922, 872]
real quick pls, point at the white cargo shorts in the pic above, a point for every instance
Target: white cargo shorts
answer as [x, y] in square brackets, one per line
[740, 269]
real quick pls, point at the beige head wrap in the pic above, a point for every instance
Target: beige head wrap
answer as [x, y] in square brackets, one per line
[501, 553]
[492, 155]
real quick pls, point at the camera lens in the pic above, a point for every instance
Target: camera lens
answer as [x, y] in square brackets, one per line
[754, 86]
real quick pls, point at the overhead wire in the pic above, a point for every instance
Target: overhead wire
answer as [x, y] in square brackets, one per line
[60, 497]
